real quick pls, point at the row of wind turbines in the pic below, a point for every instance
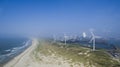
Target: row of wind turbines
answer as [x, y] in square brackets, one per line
[92, 40]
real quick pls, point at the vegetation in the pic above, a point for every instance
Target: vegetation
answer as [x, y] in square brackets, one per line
[76, 53]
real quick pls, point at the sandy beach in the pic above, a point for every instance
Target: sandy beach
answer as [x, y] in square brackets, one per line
[24, 58]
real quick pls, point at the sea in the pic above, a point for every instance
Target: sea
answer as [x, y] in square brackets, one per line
[11, 47]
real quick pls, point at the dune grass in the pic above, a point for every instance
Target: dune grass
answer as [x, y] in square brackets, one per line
[76, 53]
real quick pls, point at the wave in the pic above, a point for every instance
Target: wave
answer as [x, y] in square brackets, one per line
[14, 51]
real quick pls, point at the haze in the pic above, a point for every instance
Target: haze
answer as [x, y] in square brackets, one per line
[46, 17]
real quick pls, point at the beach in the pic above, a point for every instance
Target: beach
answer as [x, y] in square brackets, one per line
[24, 58]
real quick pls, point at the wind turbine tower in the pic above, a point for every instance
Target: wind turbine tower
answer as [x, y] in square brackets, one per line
[93, 40]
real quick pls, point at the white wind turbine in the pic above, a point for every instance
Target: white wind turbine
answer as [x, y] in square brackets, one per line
[93, 40]
[84, 35]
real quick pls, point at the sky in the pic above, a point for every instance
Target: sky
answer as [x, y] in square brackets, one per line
[46, 17]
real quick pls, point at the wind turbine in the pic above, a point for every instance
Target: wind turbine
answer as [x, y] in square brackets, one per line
[65, 38]
[84, 35]
[92, 40]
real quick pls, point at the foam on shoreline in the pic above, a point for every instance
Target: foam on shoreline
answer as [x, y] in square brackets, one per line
[18, 57]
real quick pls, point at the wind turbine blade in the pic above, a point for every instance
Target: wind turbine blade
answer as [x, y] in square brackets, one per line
[97, 37]
[92, 33]
[91, 40]
[84, 34]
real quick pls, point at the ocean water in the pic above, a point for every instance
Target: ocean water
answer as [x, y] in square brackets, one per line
[11, 47]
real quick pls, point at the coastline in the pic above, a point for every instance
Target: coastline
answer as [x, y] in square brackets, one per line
[23, 57]
[46, 54]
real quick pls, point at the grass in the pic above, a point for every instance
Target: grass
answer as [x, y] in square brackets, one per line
[100, 58]
[76, 53]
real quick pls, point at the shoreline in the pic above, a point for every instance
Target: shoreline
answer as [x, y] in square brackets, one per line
[17, 60]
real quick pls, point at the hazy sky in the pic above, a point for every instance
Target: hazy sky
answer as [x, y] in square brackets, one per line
[33, 17]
